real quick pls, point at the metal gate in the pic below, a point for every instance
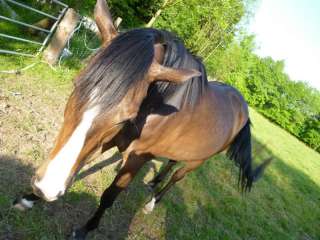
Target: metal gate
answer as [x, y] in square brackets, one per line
[48, 33]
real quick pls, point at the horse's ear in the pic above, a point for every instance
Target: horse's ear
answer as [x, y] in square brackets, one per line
[104, 22]
[177, 75]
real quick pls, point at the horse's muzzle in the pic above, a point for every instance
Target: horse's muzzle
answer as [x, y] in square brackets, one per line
[37, 191]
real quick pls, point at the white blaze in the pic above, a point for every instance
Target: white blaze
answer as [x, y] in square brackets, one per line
[58, 170]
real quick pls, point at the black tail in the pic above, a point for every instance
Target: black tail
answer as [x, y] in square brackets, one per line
[241, 153]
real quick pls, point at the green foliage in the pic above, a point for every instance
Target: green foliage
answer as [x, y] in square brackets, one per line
[204, 25]
[135, 13]
[310, 132]
[293, 105]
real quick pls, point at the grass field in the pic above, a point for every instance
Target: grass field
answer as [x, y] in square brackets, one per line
[284, 204]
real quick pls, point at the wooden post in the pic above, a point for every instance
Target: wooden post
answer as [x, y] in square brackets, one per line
[61, 36]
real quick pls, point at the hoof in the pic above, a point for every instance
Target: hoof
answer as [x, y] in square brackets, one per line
[151, 186]
[22, 204]
[79, 234]
[148, 208]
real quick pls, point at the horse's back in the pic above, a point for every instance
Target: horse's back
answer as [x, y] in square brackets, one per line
[228, 110]
[229, 95]
[197, 132]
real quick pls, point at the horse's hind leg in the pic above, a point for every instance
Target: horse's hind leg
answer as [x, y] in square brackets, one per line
[163, 173]
[131, 166]
[177, 176]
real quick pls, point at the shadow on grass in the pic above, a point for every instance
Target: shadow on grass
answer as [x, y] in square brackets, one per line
[284, 204]
[100, 165]
[56, 220]
[44, 221]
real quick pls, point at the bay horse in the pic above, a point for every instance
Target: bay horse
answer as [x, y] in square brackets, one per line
[146, 94]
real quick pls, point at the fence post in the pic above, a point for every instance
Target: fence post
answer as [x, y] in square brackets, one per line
[61, 36]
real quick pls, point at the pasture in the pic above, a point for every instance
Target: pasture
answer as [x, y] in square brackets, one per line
[284, 204]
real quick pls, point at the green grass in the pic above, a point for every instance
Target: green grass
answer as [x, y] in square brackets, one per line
[284, 204]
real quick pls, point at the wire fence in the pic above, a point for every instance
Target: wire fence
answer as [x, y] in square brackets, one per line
[82, 42]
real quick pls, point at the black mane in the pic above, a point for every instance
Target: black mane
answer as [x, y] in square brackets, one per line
[115, 69]
[177, 56]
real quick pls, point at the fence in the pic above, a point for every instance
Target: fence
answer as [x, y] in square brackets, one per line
[48, 32]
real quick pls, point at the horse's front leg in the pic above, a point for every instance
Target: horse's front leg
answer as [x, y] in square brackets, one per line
[25, 202]
[130, 168]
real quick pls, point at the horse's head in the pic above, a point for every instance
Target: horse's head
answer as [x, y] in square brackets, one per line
[107, 93]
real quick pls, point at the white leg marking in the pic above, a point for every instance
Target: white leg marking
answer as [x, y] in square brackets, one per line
[53, 182]
[23, 205]
[28, 204]
[148, 208]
